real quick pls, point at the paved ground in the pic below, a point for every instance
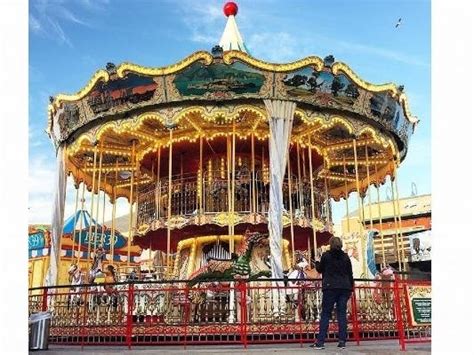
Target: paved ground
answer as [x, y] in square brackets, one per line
[368, 347]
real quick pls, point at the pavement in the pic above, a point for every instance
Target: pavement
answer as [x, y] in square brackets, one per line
[368, 347]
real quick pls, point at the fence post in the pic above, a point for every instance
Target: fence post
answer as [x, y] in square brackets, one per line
[187, 313]
[355, 319]
[398, 313]
[84, 318]
[242, 285]
[130, 305]
[44, 306]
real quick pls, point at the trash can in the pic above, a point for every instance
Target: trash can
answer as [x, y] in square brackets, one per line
[39, 324]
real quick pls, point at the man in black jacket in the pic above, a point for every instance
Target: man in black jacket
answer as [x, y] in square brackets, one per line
[338, 283]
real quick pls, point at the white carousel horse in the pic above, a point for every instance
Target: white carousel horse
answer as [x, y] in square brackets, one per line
[75, 278]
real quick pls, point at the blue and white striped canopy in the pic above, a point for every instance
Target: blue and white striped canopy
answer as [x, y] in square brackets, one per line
[86, 218]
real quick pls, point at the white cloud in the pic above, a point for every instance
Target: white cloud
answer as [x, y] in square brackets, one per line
[275, 46]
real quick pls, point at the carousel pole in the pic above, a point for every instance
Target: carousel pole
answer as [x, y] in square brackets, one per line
[92, 204]
[74, 226]
[103, 214]
[98, 196]
[397, 230]
[326, 191]
[359, 199]
[300, 193]
[399, 217]
[168, 225]
[368, 185]
[233, 186]
[291, 209]
[384, 261]
[201, 177]
[114, 210]
[130, 218]
[158, 184]
[254, 199]
[313, 217]
[347, 194]
[229, 193]
[80, 224]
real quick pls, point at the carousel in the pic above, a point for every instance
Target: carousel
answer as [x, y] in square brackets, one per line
[225, 156]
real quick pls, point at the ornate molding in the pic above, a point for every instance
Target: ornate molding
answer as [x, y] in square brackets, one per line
[231, 56]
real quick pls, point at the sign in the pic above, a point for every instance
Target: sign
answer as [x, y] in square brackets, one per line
[120, 240]
[419, 304]
[36, 241]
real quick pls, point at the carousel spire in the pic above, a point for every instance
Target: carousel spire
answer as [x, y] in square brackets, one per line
[231, 38]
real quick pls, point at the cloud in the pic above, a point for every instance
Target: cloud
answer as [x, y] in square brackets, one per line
[47, 17]
[381, 52]
[275, 46]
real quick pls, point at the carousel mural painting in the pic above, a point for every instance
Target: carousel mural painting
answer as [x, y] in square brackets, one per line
[230, 166]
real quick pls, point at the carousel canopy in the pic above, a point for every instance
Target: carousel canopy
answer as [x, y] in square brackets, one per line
[80, 220]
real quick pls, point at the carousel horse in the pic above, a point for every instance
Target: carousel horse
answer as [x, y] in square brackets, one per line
[75, 279]
[382, 290]
[96, 269]
[237, 267]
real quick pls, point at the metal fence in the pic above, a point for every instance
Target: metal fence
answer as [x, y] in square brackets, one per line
[234, 312]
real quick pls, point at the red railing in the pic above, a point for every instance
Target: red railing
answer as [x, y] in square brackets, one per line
[238, 312]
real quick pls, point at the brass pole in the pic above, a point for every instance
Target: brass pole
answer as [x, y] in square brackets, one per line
[232, 240]
[326, 189]
[300, 191]
[98, 196]
[114, 210]
[291, 209]
[130, 217]
[103, 214]
[347, 195]
[158, 183]
[384, 261]
[201, 211]
[168, 224]
[397, 230]
[74, 226]
[80, 223]
[310, 158]
[361, 207]
[92, 204]
[400, 218]
[254, 200]
[368, 185]
[229, 202]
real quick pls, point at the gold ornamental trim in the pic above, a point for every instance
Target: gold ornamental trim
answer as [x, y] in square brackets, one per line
[231, 56]
[225, 218]
[126, 68]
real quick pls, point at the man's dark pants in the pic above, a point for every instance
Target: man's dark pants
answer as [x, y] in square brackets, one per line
[340, 298]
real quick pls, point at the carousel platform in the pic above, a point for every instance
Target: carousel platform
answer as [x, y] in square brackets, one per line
[374, 347]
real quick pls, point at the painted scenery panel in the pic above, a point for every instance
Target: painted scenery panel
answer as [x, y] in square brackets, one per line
[199, 79]
[131, 89]
[322, 87]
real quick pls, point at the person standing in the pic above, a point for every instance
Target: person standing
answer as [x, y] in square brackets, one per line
[337, 285]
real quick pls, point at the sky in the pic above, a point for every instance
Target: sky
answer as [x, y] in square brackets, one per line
[71, 39]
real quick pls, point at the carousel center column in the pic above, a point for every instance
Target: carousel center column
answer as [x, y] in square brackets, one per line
[280, 115]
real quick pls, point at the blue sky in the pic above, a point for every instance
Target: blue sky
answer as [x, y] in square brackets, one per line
[70, 39]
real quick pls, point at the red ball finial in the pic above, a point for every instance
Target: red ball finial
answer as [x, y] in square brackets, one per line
[230, 8]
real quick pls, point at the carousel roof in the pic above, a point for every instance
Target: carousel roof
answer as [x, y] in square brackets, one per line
[79, 220]
[207, 93]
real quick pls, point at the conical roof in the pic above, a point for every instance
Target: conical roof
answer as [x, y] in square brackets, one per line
[231, 38]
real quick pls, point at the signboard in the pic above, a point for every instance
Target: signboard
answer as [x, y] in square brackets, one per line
[419, 304]
[36, 241]
[120, 240]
